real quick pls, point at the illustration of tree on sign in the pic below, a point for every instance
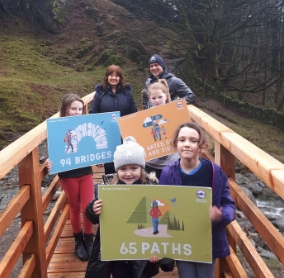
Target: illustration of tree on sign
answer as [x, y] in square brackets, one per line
[140, 215]
[172, 222]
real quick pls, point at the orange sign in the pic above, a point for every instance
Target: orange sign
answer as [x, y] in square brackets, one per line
[153, 128]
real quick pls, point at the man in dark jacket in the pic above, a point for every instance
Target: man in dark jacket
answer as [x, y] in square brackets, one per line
[177, 88]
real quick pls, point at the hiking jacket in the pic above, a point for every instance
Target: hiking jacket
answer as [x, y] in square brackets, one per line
[177, 88]
[107, 101]
[220, 198]
[102, 269]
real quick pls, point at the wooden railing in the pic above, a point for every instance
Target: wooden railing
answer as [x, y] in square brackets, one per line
[36, 240]
[229, 146]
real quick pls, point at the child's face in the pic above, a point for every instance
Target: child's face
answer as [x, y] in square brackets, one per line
[188, 143]
[129, 173]
[157, 97]
[75, 109]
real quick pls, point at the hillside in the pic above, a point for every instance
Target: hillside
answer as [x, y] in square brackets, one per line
[67, 47]
[38, 66]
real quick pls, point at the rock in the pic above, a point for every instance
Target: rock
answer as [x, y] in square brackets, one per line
[241, 180]
[5, 177]
[252, 177]
[252, 242]
[47, 211]
[240, 214]
[270, 216]
[55, 197]
[268, 193]
[82, 4]
[279, 224]
[255, 237]
[255, 187]
[14, 181]
[261, 243]
[247, 227]
[267, 254]
[249, 194]
[42, 159]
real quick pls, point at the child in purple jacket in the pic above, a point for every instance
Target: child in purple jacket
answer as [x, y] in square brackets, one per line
[190, 140]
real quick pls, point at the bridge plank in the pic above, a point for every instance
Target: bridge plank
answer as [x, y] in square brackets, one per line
[65, 245]
[57, 232]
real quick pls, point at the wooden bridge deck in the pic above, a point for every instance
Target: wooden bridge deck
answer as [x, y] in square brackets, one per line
[64, 263]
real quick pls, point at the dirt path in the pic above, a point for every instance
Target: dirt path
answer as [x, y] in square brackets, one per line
[148, 232]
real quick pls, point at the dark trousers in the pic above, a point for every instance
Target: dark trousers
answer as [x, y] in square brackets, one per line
[121, 269]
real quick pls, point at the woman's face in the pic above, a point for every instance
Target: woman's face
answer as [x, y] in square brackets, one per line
[113, 79]
[157, 97]
[75, 109]
[129, 173]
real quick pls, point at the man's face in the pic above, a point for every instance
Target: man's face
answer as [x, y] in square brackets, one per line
[156, 69]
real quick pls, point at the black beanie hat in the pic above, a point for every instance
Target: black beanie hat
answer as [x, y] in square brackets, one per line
[157, 59]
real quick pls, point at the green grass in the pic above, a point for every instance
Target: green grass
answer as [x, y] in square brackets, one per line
[32, 82]
[36, 73]
[266, 137]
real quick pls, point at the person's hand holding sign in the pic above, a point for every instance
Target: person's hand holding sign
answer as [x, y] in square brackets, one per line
[97, 206]
[215, 213]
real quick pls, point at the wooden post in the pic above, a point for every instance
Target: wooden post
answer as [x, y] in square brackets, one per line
[217, 272]
[29, 175]
[226, 160]
[85, 109]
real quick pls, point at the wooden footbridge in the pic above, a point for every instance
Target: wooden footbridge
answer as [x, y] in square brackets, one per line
[46, 247]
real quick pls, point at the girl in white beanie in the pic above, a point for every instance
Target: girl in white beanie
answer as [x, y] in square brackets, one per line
[129, 163]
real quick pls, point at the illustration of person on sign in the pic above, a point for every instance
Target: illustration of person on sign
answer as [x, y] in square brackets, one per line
[68, 141]
[164, 132]
[158, 131]
[153, 133]
[155, 213]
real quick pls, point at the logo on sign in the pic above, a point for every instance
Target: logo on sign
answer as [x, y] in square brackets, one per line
[179, 104]
[200, 194]
[113, 116]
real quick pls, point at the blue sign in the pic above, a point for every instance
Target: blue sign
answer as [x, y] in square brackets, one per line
[80, 141]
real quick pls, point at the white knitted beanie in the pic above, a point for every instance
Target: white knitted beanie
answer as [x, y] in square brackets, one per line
[130, 152]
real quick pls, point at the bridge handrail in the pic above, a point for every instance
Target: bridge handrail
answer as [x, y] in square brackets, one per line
[31, 203]
[229, 146]
[266, 167]
[19, 149]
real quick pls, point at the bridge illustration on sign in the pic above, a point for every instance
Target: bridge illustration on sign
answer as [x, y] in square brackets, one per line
[156, 124]
[155, 218]
[74, 136]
